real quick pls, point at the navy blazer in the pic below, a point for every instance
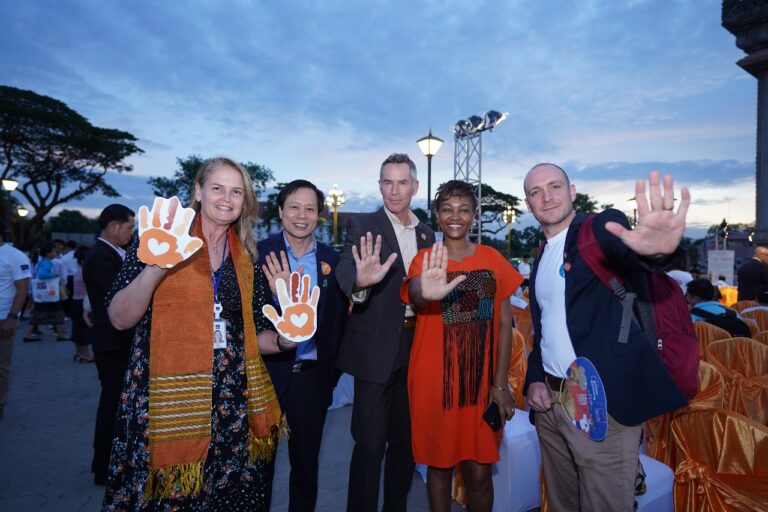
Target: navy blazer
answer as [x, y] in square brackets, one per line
[331, 319]
[637, 385]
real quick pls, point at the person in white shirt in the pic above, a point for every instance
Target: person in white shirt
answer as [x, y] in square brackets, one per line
[524, 268]
[14, 282]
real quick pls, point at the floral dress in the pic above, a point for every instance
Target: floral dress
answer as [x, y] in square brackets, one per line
[232, 482]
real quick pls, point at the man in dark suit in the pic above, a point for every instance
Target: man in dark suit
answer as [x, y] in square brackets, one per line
[575, 314]
[304, 378]
[377, 342]
[111, 348]
[753, 274]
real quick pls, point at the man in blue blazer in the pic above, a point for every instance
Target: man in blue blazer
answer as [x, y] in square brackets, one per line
[304, 378]
[575, 314]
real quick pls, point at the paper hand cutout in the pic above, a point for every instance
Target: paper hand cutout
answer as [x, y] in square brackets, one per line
[164, 238]
[299, 320]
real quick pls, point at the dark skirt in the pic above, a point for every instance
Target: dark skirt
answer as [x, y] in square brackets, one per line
[81, 333]
[47, 313]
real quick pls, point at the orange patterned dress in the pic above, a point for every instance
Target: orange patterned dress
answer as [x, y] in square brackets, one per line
[453, 360]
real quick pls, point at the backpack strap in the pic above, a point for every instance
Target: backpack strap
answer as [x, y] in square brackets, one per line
[704, 314]
[593, 255]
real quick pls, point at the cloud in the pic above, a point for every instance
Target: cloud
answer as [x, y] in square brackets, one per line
[690, 173]
[326, 90]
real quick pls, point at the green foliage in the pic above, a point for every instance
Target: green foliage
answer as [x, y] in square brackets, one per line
[271, 208]
[493, 205]
[527, 241]
[183, 179]
[55, 154]
[72, 221]
[584, 203]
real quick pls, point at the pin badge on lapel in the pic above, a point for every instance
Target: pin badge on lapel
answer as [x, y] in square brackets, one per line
[423, 236]
[567, 266]
[325, 268]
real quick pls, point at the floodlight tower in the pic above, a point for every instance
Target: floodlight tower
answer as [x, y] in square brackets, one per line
[467, 158]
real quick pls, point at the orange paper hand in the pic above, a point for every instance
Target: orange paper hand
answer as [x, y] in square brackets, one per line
[164, 238]
[299, 320]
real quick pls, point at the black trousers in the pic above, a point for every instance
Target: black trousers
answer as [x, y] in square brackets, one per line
[305, 406]
[381, 427]
[111, 367]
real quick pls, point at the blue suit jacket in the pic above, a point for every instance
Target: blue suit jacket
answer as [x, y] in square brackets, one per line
[331, 320]
[637, 385]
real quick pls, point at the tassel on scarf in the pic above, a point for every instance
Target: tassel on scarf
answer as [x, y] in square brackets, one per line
[184, 479]
[264, 447]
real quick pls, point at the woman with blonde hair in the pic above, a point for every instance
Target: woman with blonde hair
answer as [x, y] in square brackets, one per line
[199, 418]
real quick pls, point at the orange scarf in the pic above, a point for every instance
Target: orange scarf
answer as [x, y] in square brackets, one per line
[180, 374]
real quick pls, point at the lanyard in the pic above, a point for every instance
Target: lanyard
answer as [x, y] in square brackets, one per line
[216, 276]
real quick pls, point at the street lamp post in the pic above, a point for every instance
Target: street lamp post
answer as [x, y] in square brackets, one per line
[22, 212]
[509, 216]
[429, 145]
[8, 186]
[334, 200]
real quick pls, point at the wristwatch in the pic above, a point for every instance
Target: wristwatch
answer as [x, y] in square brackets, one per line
[12, 315]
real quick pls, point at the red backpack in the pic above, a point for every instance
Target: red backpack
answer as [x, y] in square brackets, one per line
[662, 312]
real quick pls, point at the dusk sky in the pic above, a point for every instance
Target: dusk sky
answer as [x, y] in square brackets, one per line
[608, 89]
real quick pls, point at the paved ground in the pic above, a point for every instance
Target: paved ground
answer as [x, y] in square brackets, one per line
[45, 439]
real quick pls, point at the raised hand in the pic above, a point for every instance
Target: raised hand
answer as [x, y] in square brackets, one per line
[659, 228]
[275, 268]
[164, 238]
[370, 269]
[299, 319]
[434, 274]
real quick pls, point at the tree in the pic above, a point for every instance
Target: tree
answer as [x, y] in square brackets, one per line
[527, 241]
[271, 209]
[493, 205]
[584, 203]
[55, 154]
[183, 179]
[72, 221]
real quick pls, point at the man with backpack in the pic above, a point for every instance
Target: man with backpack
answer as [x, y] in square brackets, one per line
[700, 294]
[575, 314]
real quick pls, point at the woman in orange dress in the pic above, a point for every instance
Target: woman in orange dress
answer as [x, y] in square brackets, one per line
[460, 353]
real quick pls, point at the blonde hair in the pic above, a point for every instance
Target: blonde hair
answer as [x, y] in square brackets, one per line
[244, 224]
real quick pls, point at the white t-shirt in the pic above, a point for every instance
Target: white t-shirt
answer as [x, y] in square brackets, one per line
[556, 346]
[69, 263]
[14, 265]
[524, 269]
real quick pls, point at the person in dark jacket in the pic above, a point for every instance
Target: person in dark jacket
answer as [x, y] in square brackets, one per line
[304, 378]
[753, 274]
[575, 315]
[111, 347]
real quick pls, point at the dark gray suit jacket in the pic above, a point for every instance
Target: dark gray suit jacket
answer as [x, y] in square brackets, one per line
[372, 335]
[100, 269]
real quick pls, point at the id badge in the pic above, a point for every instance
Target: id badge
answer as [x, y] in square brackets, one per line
[219, 333]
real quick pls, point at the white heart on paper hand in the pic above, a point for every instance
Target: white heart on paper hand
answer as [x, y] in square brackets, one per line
[299, 320]
[157, 248]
